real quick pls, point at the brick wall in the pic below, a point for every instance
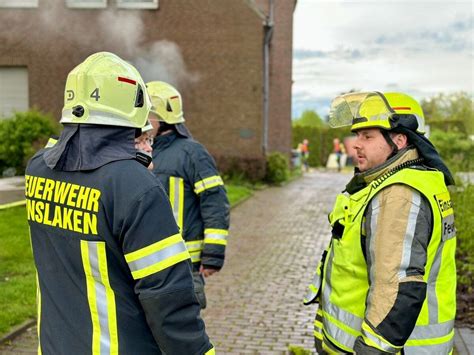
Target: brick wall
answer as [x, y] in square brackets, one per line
[214, 50]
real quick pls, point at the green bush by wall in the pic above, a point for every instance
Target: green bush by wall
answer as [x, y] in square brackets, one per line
[21, 136]
[277, 168]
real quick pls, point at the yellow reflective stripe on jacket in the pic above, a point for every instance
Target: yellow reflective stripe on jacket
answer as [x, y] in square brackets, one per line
[101, 298]
[440, 345]
[177, 199]
[314, 286]
[211, 351]
[215, 236]
[51, 143]
[157, 256]
[318, 325]
[38, 312]
[195, 247]
[376, 341]
[207, 183]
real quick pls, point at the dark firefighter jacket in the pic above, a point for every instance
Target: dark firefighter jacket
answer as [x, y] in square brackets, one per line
[114, 275]
[197, 195]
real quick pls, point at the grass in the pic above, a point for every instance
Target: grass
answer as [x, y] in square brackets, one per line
[17, 272]
[237, 193]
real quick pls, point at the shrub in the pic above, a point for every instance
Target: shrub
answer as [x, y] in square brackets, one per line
[455, 148]
[21, 136]
[320, 141]
[463, 211]
[277, 168]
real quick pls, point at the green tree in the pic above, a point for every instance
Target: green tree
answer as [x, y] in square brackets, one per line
[450, 112]
[309, 118]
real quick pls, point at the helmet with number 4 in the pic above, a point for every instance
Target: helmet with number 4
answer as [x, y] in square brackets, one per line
[105, 90]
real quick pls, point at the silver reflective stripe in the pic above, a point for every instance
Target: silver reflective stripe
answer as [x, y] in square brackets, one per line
[409, 235]
[432, 331]
[443, 348]
[373, 232]
[99, 117]
[101, 298]
[194, 245]
[338, 334]
[195, 257]
[215, 236]
[207, 183]
[157, 256]
[176, 199]
[313, 288]
[382, 345]
[431, 286]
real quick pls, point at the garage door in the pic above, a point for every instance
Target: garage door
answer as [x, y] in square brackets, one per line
[13, 90]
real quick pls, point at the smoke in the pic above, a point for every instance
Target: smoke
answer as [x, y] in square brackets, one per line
[163, 61]
[115, 30]
[121, 29]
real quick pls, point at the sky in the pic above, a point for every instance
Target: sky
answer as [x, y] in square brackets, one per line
[419, 47]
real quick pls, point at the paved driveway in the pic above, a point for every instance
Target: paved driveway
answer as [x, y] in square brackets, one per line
[277, 236]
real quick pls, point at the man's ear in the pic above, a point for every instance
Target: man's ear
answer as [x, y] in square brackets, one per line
[400, 140]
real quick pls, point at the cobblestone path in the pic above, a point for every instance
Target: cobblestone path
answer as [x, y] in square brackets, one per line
[254, 303]
[276, 239]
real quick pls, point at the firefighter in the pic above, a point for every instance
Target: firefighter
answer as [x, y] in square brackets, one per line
[114, 275]
[387, 282]
[190, 177]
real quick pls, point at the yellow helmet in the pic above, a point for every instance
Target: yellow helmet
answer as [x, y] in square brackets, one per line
[105, 90]
[374, 109]
[166, 101]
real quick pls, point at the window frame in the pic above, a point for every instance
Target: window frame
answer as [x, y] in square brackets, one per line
[143, 5]
[19, 4]
[99, 4]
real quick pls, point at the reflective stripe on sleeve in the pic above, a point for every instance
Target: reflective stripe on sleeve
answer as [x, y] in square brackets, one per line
[215, 236]
[207, 183]
[101, 298]
[409, 235]
[156, 257]
[195, 247]
[376, 341]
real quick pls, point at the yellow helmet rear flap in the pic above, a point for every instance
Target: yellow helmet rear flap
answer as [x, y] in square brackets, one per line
[105, 90]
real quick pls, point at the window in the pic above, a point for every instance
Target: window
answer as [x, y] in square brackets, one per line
[138, 4]
[18, 3]
[13, 90]
[87, 4]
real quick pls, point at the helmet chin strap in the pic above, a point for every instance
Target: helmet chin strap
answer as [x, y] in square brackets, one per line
[386, 135]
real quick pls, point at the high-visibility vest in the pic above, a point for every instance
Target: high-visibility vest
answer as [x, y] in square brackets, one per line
[345, 281]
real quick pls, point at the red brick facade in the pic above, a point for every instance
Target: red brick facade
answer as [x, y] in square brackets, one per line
[216, 48]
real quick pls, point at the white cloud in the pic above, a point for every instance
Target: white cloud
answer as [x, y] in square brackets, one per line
[421, 48]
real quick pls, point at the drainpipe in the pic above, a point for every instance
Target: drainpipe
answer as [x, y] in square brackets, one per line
[268, 32]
